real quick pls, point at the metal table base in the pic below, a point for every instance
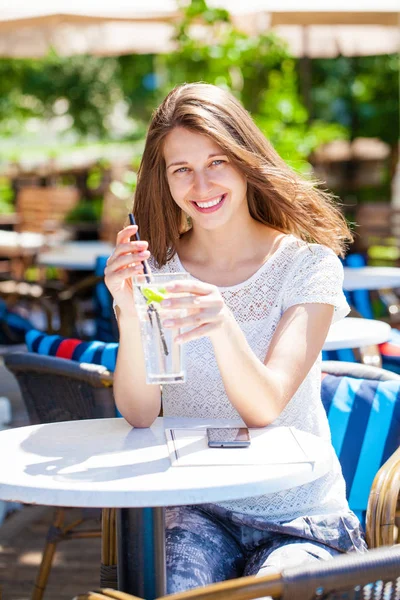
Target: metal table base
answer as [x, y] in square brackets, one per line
[141, 552]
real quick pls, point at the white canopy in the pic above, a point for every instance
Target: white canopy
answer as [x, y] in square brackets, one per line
[352, 28]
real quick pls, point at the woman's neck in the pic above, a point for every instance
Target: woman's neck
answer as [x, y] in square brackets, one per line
[225, 247]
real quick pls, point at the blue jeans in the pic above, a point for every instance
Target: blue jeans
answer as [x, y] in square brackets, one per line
[206, 544]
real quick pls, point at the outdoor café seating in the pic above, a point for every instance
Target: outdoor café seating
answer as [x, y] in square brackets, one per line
[55, 389]
[348, 577]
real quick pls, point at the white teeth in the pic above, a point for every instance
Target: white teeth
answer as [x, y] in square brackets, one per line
[209, 204]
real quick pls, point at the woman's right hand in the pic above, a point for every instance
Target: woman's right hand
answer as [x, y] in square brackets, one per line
[125, 261]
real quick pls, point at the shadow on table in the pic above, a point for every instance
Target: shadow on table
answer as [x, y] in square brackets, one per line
[76, 449]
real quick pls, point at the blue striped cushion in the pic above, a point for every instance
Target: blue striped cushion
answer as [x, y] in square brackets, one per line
[98, 353]
[364, 418]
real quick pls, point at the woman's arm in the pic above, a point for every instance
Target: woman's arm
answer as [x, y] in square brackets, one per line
[137, 401]
[259, 391]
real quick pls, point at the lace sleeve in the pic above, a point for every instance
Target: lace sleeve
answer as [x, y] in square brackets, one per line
[317, 277]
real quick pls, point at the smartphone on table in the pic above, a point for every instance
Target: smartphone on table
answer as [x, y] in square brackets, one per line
[228, 437]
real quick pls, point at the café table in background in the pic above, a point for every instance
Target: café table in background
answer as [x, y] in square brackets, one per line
[370, 278]
[20, 248]
[107, 463]
[75, 256]
[359, 333]
[356, 333]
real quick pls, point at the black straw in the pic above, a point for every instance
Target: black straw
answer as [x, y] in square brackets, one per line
[137, 238]
[151, 308]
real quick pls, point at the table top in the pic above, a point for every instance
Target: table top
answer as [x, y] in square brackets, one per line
[107, 463]
[370, 278]
[356, 333]
[77, 256]
[25, 243]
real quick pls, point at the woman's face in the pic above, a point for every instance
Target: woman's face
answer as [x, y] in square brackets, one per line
[202, 181]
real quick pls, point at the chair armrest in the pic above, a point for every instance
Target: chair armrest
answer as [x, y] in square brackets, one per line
[382, 503]
[81, 286]
[106, 594]
[68, 301]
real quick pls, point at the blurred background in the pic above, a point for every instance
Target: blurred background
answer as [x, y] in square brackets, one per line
[79, 81]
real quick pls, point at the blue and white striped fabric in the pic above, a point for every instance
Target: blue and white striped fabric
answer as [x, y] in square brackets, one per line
[364, 418]
[98, 353]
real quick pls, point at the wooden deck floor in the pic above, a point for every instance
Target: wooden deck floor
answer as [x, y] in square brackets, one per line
[76, 564]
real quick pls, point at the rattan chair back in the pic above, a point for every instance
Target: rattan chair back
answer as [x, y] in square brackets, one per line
[53, 390]
[374, 575]
[371, 576]
[56, 389]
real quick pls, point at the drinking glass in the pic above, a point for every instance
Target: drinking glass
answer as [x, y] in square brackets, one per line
[164, 358]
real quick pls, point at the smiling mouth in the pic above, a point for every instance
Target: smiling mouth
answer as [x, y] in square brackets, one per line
[210, 205]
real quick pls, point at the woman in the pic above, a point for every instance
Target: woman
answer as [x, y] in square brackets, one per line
[261, 244]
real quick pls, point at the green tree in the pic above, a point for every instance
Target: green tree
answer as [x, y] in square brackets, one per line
[258, 70]
[362, 93]
[30, 88]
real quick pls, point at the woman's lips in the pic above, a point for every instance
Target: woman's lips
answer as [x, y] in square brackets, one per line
[210, 209]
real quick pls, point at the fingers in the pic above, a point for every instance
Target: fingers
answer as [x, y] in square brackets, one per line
[194, 320]
[128, 247]
[126, 233]
[192, 302]
[191, 287]
[194, 334]
[119, 276]
[116, 262]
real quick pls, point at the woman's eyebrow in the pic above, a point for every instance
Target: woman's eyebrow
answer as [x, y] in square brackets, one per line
[185, 162]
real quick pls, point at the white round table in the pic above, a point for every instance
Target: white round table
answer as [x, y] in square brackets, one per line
[356, 333]
[107, 463]
[75, 256]
[370, 278]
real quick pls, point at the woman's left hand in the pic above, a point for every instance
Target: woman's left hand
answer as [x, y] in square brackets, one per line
[206, 309]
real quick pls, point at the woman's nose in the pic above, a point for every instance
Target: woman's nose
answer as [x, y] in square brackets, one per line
[201, 184]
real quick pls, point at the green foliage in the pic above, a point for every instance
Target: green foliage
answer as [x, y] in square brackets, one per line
[125, 188]
[6, 196]
[87, 85]
[362, 93]
[139, 85]
[260, 73]
[350, 96]
[87, 211]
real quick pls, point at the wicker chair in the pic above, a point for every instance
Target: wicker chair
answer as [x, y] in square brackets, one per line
[375, 574]
[55, 389]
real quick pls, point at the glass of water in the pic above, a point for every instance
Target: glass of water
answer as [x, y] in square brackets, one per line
[163, 356]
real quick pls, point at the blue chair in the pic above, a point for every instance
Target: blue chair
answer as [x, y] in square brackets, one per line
[106, 324]
[363, 408]
[13, 327]
[74, 321]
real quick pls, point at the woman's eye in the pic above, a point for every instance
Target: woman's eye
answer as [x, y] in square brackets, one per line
[181, 170]
[218, 162]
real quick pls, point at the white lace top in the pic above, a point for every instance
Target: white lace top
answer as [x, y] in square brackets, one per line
[296, 273]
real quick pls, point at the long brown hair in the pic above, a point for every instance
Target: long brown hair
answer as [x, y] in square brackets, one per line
[277, 195]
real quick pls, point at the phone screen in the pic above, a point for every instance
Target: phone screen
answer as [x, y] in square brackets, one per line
[228, 437]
